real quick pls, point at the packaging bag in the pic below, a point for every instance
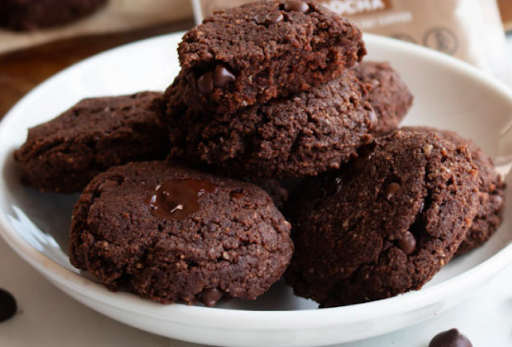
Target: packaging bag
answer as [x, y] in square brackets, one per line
[467, 29]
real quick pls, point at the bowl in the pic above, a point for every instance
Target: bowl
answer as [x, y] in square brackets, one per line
[449, 94]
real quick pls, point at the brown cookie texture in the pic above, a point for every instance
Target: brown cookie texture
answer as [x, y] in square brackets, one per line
[169, 233]
[303, 135]
[385, 223]
[27, 15]
[390, 97]
[264, 50]
[491, 192]
[64, 154]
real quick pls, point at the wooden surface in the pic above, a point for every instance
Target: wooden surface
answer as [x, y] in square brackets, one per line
[21, 71]
[506, 13]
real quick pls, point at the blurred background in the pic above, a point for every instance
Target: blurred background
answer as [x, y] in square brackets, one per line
[41, 37]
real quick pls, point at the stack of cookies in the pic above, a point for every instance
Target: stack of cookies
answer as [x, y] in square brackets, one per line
[181, 195]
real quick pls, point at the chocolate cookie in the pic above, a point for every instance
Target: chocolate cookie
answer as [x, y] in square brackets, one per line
[23, 15]
[491, 192]
[64, 154]
[264, 50]
[306, 134]
[386, 223]
[389, 96]
[169, 233]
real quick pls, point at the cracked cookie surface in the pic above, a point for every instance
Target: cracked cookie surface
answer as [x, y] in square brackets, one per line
[385, 223]
[169, 233]
[491, 192]
[264, 50]
[65, 153]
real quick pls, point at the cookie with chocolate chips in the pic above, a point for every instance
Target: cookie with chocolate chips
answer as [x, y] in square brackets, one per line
[491, 192]
[302, 135]
[169, 233]
[389, 95]
[384, 224]
[264, 50]
[65, 153]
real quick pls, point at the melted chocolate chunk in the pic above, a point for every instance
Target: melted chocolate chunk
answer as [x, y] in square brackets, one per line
[205, 83]
[450, 338]
[8, 306]
[391, 190]
[295, 5]
[407, 243]
[269, 18]
[211, 296]
[178, 199]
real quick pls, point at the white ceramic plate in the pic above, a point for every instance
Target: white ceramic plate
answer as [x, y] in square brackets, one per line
[449, 95]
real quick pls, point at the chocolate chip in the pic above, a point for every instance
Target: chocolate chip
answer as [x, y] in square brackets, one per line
[177, 199]
[205, 83]
[269, 18]
[391, 190]
[222, 76]
[236, 195]
[407, 243]
[450, 338]
[211, 296]
[295, 5]
[8, 306]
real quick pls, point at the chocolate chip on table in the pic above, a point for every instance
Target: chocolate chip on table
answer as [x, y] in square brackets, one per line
[177, 199]
[269, 18]
[391, 190]
[205, 83]
[407, 243]
[211, 296]
[8, 306]
[450, 338]
[222, 76]
[295, 5]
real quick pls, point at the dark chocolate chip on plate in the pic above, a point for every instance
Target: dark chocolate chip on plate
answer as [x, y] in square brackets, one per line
[211, 296]
[450, 338]
[8, 306]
